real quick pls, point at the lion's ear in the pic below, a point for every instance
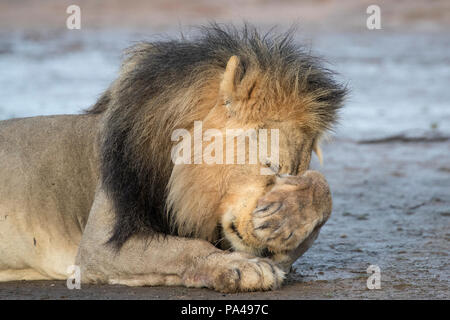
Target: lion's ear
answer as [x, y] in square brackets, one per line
[228, 85]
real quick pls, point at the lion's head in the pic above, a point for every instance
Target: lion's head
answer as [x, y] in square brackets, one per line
[227, 79]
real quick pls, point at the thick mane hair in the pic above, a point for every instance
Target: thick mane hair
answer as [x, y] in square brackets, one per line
[168, 84]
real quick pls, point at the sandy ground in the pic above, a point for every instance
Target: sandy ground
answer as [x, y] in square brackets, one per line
[388, 165]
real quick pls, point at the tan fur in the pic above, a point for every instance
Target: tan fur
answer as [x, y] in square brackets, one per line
[57, 213]
[47, 183]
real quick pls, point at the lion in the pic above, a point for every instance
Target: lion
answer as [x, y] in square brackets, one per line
[99, 190]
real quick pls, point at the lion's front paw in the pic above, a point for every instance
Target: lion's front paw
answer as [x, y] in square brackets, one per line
[290, 212]
[244, 273]
[237, 272]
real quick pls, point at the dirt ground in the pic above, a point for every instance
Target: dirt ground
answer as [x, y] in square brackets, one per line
[388, 165]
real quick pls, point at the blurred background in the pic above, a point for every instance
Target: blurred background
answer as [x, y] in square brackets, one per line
[389, 165]
[398, 75]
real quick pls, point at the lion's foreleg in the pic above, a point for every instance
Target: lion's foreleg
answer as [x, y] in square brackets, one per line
[167, 260]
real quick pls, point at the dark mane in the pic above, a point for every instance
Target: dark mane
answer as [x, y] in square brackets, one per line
[140, 111]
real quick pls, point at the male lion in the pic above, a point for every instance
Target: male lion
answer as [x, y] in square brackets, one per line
[99, 190]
